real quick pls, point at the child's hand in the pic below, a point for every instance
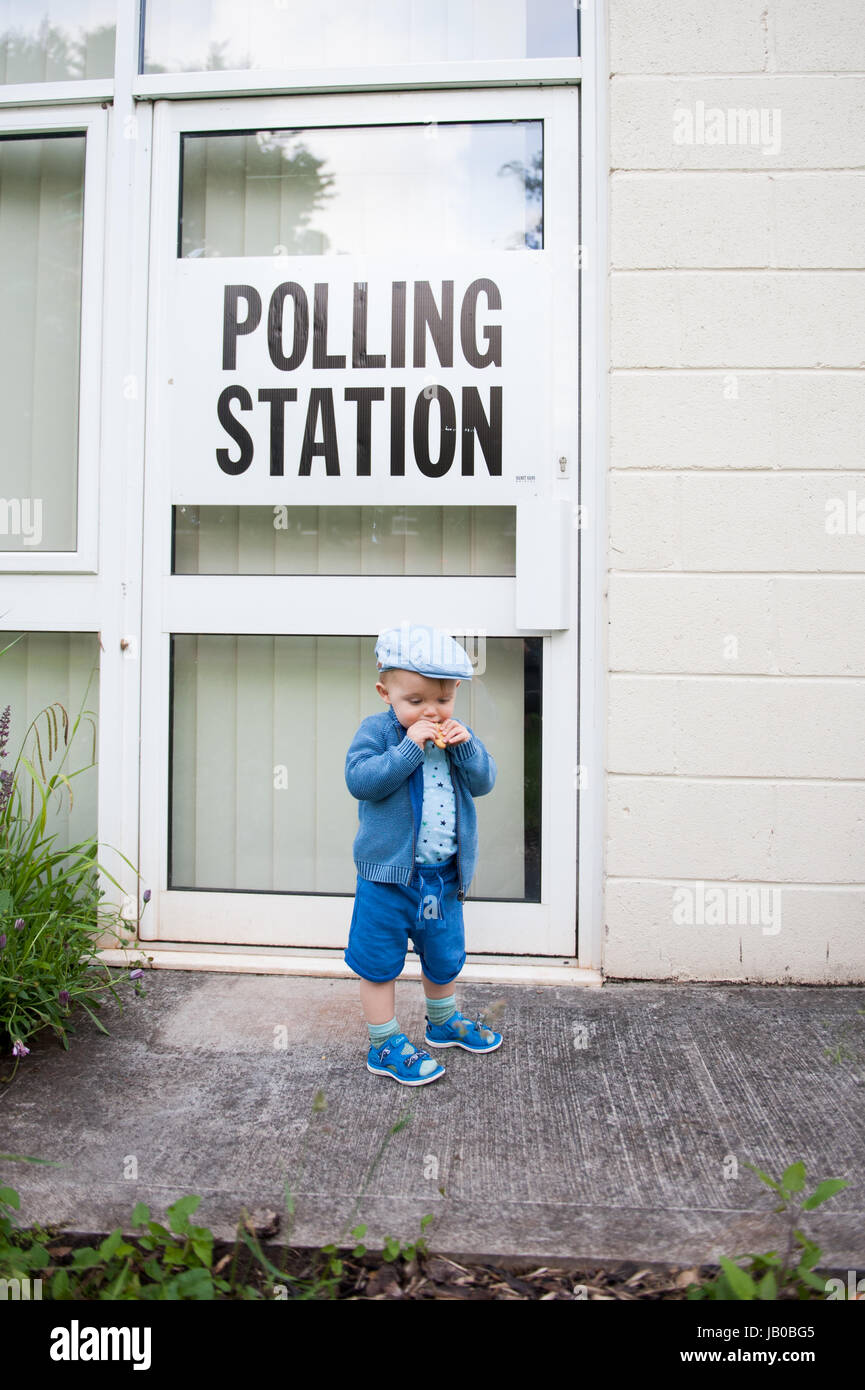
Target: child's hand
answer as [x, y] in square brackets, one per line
[454, 732]
[421, 731]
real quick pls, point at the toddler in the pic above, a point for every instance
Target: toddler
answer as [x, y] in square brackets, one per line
[416, 847]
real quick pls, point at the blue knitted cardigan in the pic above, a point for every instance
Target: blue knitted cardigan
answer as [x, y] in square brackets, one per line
[384, 771]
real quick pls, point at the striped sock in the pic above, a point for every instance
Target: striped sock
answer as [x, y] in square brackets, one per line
[440, 1010]
[380, 1032]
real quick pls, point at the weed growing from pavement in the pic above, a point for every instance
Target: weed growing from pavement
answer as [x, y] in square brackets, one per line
[770, 1273]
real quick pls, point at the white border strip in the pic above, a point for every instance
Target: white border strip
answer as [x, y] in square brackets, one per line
[594, 359]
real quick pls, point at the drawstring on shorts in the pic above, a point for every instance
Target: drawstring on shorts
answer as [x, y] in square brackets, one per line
[422, 895]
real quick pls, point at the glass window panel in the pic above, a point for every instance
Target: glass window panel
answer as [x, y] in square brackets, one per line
[41, 230]
[325, 191]
[209, 35]
[260, 730]
[39, 669]
[345, 540]
[56, 40]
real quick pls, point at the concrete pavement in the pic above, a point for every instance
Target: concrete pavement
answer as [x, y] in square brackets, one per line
[613, 1123]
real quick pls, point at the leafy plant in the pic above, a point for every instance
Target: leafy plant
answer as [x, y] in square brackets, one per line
[394, 1251]
[51, 917]
[173, 1263]
[770, 1273]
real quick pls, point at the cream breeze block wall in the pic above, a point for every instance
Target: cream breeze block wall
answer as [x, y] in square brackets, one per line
[736, 741]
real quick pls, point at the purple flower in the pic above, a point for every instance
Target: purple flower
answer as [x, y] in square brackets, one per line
[63, 996]
[136, 974]
[19, 1050]
[2, 940]
[147, 895]
[19, 923]
[6, 780]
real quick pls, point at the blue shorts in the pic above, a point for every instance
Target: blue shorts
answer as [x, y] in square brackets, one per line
[386, 914]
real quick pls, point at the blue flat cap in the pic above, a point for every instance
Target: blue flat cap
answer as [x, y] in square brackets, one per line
[426, 650]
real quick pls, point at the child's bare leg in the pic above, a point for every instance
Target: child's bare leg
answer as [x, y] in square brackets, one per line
[377, 1000]
[434, 991]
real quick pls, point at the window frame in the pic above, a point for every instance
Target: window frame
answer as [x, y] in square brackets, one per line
[382, 77]
[486, 72]
[87, 91]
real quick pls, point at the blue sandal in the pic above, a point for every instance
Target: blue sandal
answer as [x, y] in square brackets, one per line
[461, 1032]
[399, 1059]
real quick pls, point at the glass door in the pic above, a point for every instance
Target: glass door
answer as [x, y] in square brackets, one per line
[362, 410]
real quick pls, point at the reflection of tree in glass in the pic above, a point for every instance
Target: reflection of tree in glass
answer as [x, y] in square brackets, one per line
[217, 60]
[54, 54]
[273, 171]
[532, 175]
[305, 188]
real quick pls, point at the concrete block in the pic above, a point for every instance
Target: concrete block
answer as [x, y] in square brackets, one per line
[820, 937]
[663, 827]
[781, 220]
[670, 624]
[733, 318]
[802, 625]
[736, 829]
[712, 521]
[690, 36]
[761, 122]
[737, 419]
[660, 221]
[818, 218]
[713, 726]
[829, 40]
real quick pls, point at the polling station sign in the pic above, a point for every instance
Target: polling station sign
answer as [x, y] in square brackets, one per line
[308, 380]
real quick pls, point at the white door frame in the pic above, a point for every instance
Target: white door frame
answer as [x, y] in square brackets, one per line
[193, 604]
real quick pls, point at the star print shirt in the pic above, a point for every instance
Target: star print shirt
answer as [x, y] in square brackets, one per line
[437, 839]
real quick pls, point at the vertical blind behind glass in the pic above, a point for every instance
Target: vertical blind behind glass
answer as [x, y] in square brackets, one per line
[41, 230]
[345, 540]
